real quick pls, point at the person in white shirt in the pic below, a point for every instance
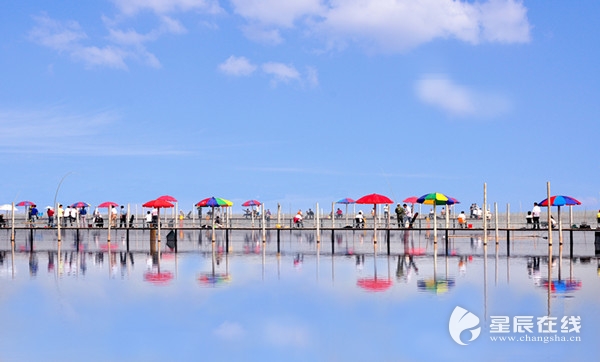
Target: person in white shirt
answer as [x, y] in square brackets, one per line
[535, 213]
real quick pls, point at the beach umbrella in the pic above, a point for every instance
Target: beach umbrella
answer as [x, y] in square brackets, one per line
[252, 203]
[435, 198]
[346, 201]
[25, 203]
[214, 202]
[158, 204]
[80, 204]
[6, 207]
[374, 199]
[410, 200]
[213, 279]
[108, 204]
[558, 201]
[167, 198]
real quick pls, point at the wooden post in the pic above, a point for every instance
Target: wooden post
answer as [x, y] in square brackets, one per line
[507, 242]
[549, 219]
[332, 241]
[447, 241]
[12, 225]
[333, 215]
[318, 224]
[508, 216]
[485, 238]
[264, 226]
[388, 239]
[496, 223]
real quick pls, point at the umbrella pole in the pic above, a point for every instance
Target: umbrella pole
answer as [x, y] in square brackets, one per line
[213, 224]
[375, 223]
[560, 236]
[434, 225]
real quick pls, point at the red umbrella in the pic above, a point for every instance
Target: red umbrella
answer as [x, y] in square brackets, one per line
[411, 200]
[374, 199]
[158, 203]
[26, 203]
[108, 204]
[80, 204]
[251, 203]
[374, 284]
[167, 197]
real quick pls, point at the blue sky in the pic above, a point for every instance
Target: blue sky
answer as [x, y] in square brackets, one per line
[298, 102]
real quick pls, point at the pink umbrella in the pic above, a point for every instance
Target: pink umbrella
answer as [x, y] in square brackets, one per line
[167, 197]
[108, 204]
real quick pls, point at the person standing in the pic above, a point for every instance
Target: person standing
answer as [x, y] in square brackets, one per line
[400, 212]
[407, 215]
[113, 216]
[50, 213]
[82, 217]
[123, 217]
[33, 214]
[535, 215]
[61, 215]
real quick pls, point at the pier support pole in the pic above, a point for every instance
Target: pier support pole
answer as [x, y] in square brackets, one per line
[571, 244]
[388, 239]
[507, 242]
[332, 241]
[127, 239]
[278, 241]
[447, 242]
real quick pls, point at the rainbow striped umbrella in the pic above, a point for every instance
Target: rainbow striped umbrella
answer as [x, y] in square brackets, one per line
[559, 200]
[436, 198]
[214, 202]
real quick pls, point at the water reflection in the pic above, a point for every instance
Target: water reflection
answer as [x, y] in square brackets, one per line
[311, 295]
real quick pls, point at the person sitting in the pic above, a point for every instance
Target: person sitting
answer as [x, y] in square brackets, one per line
[247, 213]
[339, 213]
[462, 220]
[2, 221]
[529, 219]
[310, 214]
[360, 220]
[298, 220]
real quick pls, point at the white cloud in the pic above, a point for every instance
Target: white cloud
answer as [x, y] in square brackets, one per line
[260, 35]
[281, 72]
[230, 331]
[132, 7]
[393, 25]
[238, 66]
[458, 100]
[277, 12]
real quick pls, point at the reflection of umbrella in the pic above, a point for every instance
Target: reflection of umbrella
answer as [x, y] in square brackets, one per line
[559, 200]
[435, 198]
[26, 203]
[437, 286]
[80, 204]
[562, 286]
[374, 284]
[158, 277]
[108, 204]
[214, 278]
[374, 199]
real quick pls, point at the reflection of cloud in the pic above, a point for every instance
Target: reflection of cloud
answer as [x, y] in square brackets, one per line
[458, 100]
[228, 330]
[287, 335]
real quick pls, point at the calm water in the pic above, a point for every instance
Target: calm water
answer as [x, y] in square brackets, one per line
[341, 299]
